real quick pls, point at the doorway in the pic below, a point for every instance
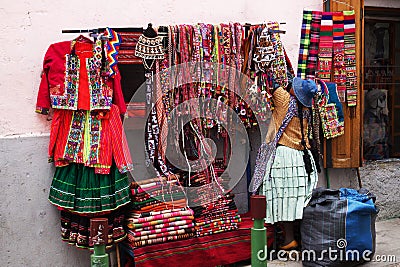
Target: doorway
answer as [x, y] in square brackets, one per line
[381, 136]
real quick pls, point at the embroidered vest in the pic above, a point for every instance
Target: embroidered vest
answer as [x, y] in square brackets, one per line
[100, 93]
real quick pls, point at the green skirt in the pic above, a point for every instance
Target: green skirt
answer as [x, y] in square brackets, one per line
[78, 188]
[289, 189]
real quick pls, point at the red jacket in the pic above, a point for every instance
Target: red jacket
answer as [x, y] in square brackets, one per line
[72, 80]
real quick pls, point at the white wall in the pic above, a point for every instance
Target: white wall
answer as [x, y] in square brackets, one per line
[29, 27]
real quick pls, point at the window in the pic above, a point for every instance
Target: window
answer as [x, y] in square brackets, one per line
[381, 135]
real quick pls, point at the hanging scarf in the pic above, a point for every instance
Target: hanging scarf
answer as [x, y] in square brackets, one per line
[112, 50]
[314, 41]
[350, 57]
[325, 47]
[304, 44]
[339, 69]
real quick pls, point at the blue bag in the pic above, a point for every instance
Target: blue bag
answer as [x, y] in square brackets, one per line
[338, 227]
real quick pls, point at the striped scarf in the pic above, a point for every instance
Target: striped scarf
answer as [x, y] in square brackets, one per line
[350, 57]
[325, 47]
[314, 41]
[304, 44]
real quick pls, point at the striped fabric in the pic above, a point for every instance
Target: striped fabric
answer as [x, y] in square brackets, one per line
[304, 44]
[325, 47]
[215, 250]
[314, 41]
[339, 69]
[350, 57]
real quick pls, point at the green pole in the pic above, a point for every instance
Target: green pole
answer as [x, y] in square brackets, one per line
[99, 258]
[258, 231]
[98, 233]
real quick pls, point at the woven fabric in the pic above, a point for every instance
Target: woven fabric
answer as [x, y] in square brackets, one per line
[328, 109]
[350, 57]
[339, 69]
[314, 41]
[325, 47]
[112, 50]
[304, 44]
[278, 66]
[289, 189]
[331, 126]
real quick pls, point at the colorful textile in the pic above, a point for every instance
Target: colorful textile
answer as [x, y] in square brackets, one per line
[304, 44]
[350, 57]
[112, 50]
[328, 109]
[137, 214]
[278, 66]
[132, 238]
[80, 189]
[188, 212]
[161, 239]
[92, 138]
[67, 80]
[339, 69]
[314, 41]
[183, 222]
[325, 47]
[336, 51]
[214, 250]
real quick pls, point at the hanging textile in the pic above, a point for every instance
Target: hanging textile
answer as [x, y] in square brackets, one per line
[327, 51]
[312, 58]
[339, 70]
[304, 44]
[350, 57]
[325, 47]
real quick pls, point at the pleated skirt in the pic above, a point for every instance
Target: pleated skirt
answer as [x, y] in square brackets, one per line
[288, 189]
[79, 189]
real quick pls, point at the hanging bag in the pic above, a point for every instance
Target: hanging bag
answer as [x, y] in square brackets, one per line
[331, 127]
[338, 228]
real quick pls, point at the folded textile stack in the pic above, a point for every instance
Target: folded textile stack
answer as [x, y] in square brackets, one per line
[159, 212]
[160, 226]
[218, 216]
[215, 211]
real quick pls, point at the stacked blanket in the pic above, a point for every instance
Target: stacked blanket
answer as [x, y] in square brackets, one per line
[159, 212]
[214, 209]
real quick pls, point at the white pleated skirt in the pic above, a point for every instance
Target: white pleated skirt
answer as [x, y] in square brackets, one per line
[289, 189]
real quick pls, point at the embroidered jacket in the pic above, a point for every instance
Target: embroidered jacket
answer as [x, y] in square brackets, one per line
[71, 79]
[93, 138]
